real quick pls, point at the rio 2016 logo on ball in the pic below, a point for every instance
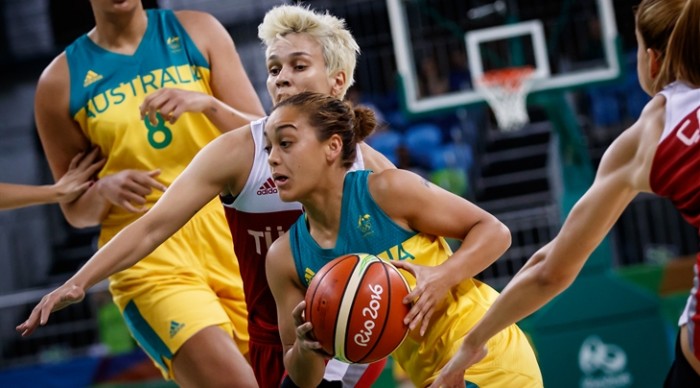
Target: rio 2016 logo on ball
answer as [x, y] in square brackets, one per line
[355, 306]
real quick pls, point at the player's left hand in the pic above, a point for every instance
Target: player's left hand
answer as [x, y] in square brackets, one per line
[80, 175]
[305, 339]
[172, 103]
[452, 374]
[430, 290]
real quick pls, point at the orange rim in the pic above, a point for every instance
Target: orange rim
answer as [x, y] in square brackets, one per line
[509, 77]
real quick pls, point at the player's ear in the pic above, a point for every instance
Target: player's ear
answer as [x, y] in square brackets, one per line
[655, 59]
[334, 148]
[338, 81]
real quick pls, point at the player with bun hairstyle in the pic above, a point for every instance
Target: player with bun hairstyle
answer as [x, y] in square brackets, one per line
[311, 141]
[659, 153]
[305, 50]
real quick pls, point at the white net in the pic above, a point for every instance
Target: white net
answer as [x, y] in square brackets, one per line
[505, 90]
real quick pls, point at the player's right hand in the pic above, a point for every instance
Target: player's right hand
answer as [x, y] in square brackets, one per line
[60, 298]
[128, 188]
[172, 103]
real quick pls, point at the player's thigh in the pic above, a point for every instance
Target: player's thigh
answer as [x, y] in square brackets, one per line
[210, 358]
[209, 240]
[167, 314]
[224, 280]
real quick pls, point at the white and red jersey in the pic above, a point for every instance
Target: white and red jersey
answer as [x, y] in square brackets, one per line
[675, 174]
[257, 217]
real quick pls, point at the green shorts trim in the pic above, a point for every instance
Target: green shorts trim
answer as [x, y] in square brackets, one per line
[146, 336]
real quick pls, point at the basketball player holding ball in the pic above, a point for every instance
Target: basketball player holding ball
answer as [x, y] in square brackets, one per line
[306, 50]
[395, 215]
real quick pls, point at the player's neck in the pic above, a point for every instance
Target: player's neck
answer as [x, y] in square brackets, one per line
[121, 34]
[323, 222]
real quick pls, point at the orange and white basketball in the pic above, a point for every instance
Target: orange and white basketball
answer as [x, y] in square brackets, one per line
[355, 304]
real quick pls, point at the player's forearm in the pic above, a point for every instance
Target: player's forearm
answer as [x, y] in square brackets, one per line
[530, 289]
[88, 210]
[16, 196]
[305, 367]
[127, 248]
[226, 118]
[484, 244]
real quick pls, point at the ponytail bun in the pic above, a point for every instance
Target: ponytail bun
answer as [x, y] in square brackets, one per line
[365, 122]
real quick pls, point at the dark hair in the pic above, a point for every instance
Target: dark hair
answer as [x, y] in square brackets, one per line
[331, 116]
[671, 28]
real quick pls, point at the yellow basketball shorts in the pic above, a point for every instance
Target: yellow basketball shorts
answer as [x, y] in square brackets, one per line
[189, 283]
[510, 362]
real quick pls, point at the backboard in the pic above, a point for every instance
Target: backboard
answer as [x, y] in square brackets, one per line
[443, 46]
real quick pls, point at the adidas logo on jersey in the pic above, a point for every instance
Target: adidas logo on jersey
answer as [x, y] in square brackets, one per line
[175, 327]
[267, 188]
[308, 275]
[90, 78]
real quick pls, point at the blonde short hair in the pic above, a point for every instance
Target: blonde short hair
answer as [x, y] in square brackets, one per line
[339, 48]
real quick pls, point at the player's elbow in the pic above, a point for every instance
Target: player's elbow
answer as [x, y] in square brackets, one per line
[79, 220]
[553, 279]
[503, 236]
[498, 235]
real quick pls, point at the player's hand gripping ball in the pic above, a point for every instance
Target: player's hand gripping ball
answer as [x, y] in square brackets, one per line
[355, 306]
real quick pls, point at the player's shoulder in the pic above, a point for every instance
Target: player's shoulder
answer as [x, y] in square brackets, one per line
[56, 74]
[280, 250]
[236, 141]
[394, 177]
[197, 22]
[647, 130]
[392, 183]
[629, 157]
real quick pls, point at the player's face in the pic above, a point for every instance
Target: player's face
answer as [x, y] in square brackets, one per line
[295, 64]
[294, 153]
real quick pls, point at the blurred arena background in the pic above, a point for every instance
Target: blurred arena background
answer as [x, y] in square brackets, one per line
[624, 305]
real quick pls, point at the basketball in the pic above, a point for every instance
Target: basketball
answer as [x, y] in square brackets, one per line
[355, 306]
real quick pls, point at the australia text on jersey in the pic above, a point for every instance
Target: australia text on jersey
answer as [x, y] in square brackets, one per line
[142, 85]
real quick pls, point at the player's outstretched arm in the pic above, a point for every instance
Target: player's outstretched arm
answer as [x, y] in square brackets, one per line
[214, 167]
[79, 177]
[623, 173]
[302, 359]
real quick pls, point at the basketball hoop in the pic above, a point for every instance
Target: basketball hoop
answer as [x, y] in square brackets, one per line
[505, 90]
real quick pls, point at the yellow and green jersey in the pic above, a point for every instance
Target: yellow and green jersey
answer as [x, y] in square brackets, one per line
[365, 228]
[107, 88]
